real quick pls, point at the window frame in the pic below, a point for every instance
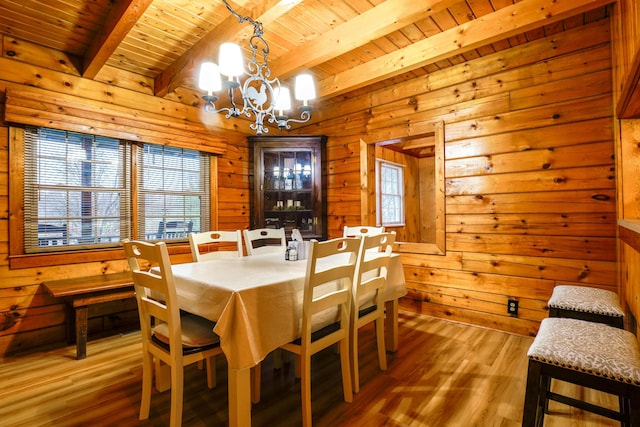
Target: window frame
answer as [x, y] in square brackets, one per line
[380, 195]
[18, 258]
[75, 172]
[368, 198]
[169, 216]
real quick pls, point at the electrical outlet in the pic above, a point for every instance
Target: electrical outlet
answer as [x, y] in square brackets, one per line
[512, 306]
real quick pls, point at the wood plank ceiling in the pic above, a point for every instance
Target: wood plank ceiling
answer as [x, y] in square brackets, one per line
[348, 45]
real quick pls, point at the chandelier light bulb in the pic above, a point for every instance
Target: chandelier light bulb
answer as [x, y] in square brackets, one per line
[209, 79]
[230, 60]
[304, 89]
[283, 99]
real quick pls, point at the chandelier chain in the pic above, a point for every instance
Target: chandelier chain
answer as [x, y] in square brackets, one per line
[257, 26]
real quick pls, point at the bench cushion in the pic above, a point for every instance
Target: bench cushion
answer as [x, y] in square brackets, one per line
[588, 347]
[586, 299]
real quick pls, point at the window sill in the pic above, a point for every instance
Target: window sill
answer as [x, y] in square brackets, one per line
[78, 257]
[629, 232]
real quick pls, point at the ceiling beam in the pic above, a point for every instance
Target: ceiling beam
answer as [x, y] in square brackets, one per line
[121, 19]
[506, 22]
[184, 69]
[387, 17]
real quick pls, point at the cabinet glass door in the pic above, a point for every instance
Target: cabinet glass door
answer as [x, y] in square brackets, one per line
[288, 190]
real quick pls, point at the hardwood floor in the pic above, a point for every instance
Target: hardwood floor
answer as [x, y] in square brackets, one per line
[444, 374]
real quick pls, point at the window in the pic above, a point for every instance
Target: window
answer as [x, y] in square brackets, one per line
[390, 200]
[78, 191]
[173, 199]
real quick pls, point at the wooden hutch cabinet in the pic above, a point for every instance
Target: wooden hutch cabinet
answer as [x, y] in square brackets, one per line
[289, 184]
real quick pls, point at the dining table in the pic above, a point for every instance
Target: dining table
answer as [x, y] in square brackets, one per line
[256, 304]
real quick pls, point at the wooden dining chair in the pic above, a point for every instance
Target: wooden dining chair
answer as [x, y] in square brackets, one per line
[221, 241]
[327, 289]
[368, 297]
[175, 340]
[361, 230]
[265, 240]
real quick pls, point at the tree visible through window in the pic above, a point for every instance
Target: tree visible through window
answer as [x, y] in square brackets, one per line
[390, 194]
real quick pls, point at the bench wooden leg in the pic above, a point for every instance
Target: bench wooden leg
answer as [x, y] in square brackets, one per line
[82, 320]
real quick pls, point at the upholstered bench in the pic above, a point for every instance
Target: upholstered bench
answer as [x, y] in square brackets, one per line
[583, 302]
[588, 354]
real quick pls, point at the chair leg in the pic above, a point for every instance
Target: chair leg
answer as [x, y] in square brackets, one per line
[532, 395]
[345, 363]
[391, 320]
[256, 372]
[623, 404]
[162, 375]
[298, 369]
[147, 379]
[177, 382]
[634, 407]
[545, 384]
[382, 353]
[305, 384]
[277, 358]
[543, 398]
[280, 357]
[353, 347]
[211, 371]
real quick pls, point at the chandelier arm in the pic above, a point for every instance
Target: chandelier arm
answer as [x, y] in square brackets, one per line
[305, 116]
[283, 122]
[210, 107]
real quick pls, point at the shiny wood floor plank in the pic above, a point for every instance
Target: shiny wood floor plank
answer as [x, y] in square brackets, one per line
[444, 374]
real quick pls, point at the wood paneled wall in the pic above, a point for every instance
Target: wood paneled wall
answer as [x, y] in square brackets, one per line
[529, 170]
[530, 179]
[626, 62]
[29, 317]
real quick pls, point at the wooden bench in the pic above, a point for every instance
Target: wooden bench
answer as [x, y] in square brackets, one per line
[81, 292]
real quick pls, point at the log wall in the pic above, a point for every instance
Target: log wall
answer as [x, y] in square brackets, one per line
[529, 175]
[626, 65]
[29, 317]
[529, 179]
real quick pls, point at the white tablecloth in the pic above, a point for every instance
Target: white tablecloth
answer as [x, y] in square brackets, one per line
[256, 301]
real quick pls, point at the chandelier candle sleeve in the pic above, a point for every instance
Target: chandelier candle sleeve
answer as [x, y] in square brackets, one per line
[260, 95]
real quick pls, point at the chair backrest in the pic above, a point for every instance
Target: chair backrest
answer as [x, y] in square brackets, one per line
[155, 290]
[174, 229]
[328, 283]
[265, 240]
[371, 272]
[52, 235]
[361, 230]
[216, 240]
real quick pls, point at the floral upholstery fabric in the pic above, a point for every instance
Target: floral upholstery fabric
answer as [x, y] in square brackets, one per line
[586, 299]
[589, 347]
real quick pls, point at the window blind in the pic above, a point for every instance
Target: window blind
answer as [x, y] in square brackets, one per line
[173, 192]
[76, 190]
